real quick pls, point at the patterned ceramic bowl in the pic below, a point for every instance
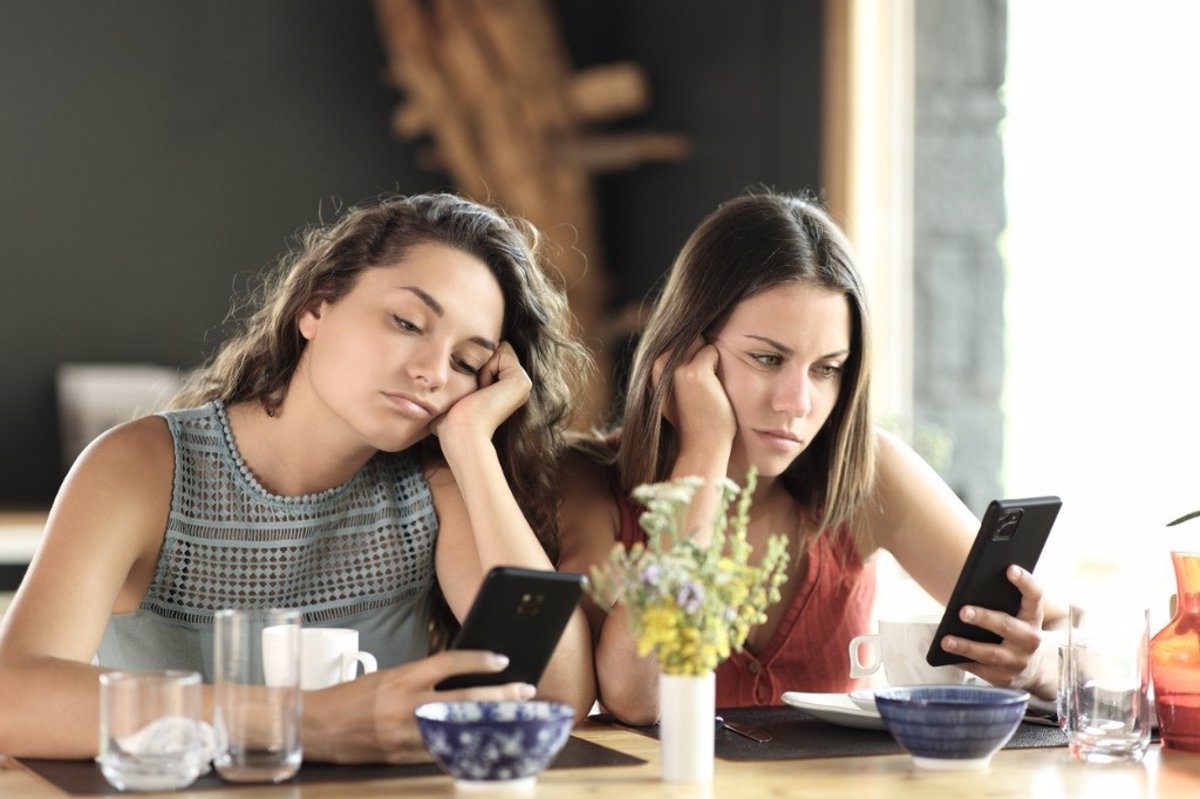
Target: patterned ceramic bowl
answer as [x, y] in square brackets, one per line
[494, 742]
[951, 726]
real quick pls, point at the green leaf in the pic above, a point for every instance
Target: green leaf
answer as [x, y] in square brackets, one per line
[1184, 518]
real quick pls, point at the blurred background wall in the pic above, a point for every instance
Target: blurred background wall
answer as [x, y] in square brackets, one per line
[156, 154]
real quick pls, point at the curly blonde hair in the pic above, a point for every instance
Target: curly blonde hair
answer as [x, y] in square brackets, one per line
[258, 361]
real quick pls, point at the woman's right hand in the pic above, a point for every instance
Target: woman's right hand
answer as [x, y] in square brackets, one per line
[372, 719]
[697, 405]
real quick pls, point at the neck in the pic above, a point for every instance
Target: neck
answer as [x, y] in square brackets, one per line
[292, 453]
[772, 500]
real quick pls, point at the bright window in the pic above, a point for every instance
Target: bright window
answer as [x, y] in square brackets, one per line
[1103, 183]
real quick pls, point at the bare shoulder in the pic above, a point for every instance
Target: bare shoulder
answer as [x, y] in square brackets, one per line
[907, 495]
[135, 457]
[588, 517]
[125, 475]
[101, 541]
[146, 442]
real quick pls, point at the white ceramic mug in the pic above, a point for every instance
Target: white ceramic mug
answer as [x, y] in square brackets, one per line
[900, 647]
[328, 656]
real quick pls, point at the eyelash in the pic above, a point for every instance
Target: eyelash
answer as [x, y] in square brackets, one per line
[460, 365]
[467, 368]
[830, 371]
[771, 360]
[405, 325]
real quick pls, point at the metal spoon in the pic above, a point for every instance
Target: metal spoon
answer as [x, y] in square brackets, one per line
[753, 733]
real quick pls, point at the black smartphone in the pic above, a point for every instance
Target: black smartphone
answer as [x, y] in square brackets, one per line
[1012, 531]
[520, 613]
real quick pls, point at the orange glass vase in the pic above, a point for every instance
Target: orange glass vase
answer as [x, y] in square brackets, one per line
[1175, 661]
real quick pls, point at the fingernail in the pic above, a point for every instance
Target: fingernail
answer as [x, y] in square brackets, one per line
[950, 645]
[526, 691]
[968, 613]
[1015, 571]
[498, 662]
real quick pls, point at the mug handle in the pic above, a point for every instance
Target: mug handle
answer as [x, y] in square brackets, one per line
[857, 669]
[350, 661]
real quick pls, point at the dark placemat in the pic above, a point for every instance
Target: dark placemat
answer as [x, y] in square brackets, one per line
[799, 736]
[83, 777]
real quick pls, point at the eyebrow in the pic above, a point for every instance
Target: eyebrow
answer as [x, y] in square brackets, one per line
[435, 306]
[789, 351]
[426, 298]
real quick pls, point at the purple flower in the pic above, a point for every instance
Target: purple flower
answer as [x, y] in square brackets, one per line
[650, 574]
[690, 597]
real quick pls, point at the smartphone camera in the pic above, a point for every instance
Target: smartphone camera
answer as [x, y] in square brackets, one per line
[1007, 525]
[530, 604]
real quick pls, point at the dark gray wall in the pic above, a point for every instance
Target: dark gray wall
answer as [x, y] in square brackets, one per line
[155, 154]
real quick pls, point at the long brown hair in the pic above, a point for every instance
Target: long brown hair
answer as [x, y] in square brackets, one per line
[748, 245]
[258, 361]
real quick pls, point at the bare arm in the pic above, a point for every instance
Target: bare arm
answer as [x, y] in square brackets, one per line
[97, 556]
[701, 414]
[588, 524]
[481, 525]
[915, 516]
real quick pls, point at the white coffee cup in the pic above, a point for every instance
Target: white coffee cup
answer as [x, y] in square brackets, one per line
[900, 647]
[328, 656]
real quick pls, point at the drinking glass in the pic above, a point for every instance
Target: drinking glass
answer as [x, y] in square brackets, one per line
[1108, 676]
[257, 719]
[152, 735]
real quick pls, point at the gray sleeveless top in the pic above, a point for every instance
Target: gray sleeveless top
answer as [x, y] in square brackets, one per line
[358, 555]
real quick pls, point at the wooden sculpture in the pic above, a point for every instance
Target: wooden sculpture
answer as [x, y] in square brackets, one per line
[489, 83]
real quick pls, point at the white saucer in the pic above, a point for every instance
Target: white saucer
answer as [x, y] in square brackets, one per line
[864, 698]
[835, 708]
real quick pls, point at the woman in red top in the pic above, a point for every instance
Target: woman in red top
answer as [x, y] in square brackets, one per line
[758, 354]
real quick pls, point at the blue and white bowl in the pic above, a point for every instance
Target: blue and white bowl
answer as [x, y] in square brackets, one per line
[493, 743]
[951, 726]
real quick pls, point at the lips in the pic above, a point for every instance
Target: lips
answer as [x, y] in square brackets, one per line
[410, 406]
[782, 440]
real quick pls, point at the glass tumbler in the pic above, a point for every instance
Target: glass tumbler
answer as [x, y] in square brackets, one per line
[152, 735]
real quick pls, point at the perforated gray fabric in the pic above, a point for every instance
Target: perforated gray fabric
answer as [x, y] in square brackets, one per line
[357, 555]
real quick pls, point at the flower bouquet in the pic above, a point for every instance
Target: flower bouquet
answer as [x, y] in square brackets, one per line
[690, 604]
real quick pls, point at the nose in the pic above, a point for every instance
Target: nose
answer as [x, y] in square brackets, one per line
[794, 395]
[429, 368]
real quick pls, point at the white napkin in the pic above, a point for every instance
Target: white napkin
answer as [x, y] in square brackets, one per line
[155, 738]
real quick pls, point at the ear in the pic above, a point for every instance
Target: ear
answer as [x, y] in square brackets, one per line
[310, 319]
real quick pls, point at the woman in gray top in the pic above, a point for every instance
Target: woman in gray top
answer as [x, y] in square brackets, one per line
[299, 471]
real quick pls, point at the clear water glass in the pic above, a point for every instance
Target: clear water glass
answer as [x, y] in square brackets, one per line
[152, 732]
[1062, 700]
[1108, 678]
[256, 694]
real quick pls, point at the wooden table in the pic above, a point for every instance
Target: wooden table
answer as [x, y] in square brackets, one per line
[1048, 773]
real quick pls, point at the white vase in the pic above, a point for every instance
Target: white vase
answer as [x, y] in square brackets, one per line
[686, 729]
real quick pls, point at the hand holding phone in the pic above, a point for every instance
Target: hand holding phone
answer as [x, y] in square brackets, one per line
[520, 613]
[1013, 531]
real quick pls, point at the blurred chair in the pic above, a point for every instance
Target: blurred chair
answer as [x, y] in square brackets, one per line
[95, 397]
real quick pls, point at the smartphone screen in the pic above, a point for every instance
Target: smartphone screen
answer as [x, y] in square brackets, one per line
[1013, 531]
[520, 613]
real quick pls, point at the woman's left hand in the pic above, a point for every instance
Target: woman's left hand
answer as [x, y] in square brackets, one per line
[503, 388]
[1016, 661]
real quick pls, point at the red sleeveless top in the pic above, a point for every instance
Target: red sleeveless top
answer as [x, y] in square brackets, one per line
[808, 651]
